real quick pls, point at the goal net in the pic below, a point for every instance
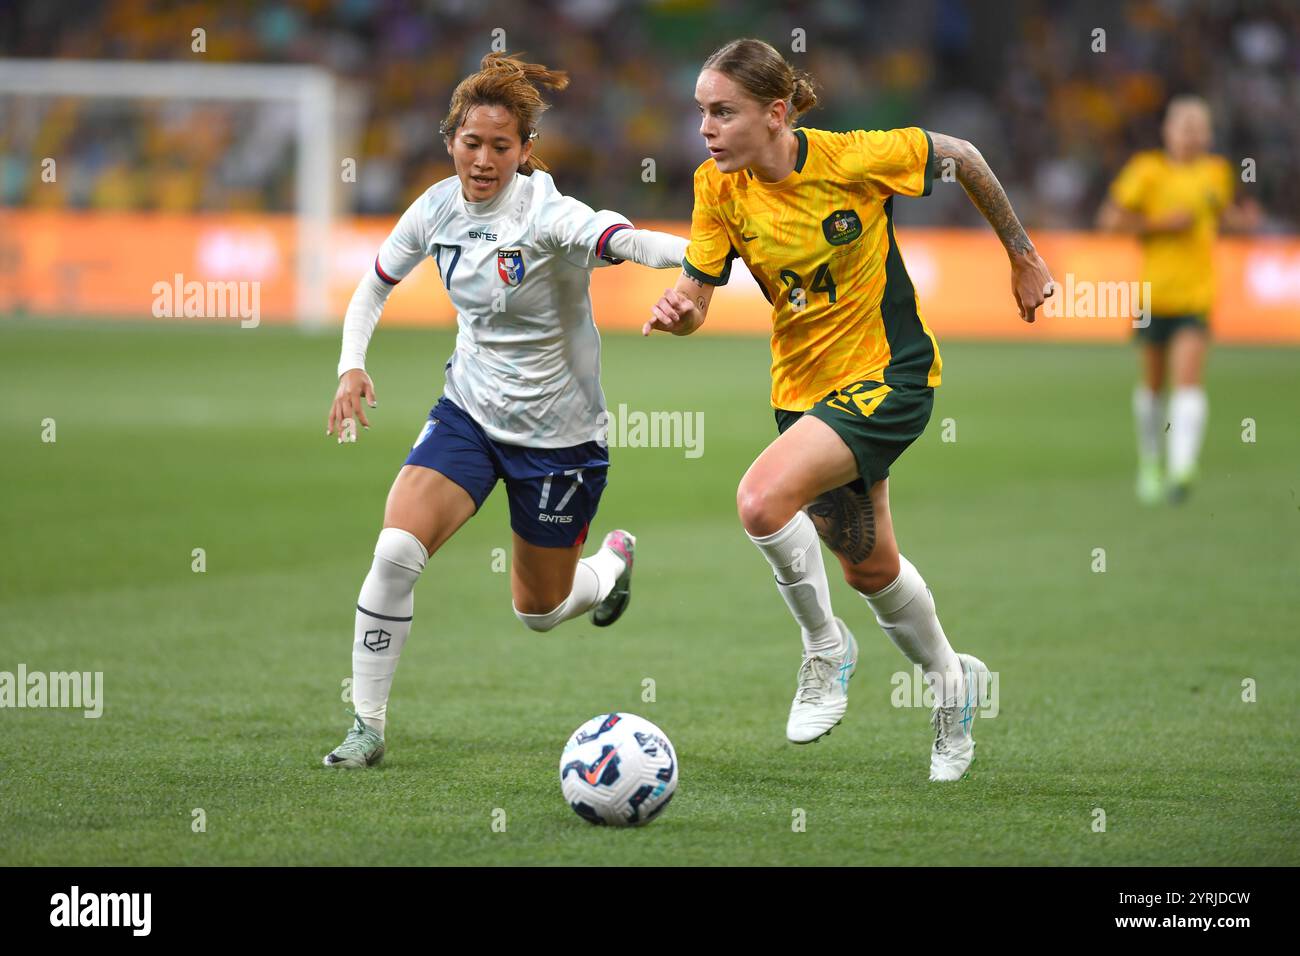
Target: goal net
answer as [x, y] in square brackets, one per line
[115, 173]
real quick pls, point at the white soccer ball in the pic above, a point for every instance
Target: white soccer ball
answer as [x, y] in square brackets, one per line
[618, 770]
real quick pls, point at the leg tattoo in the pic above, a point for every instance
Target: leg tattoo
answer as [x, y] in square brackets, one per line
[846, 523]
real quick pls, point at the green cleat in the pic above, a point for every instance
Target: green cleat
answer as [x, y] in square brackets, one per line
[361, 748]
[1150, 486]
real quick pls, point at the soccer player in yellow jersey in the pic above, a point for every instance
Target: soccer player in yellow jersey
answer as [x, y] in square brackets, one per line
[1173, 200]
[854, 365]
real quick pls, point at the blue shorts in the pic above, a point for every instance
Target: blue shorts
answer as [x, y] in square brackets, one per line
[553, 491]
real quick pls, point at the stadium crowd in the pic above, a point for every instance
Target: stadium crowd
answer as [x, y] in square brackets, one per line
[1054, 112]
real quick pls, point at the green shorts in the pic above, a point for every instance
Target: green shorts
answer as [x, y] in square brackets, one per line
[1161, 328]
[876, 421]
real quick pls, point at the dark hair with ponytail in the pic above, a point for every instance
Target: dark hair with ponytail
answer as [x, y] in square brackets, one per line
[765, 75]
[506, 81]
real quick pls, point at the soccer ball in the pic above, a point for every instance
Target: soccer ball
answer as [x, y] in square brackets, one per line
[618, 769]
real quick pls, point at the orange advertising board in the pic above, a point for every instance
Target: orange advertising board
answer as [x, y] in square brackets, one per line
[123, 265]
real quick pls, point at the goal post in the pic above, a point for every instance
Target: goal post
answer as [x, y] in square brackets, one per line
[310, 90]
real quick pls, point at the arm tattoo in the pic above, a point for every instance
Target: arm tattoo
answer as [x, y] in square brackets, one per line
[700, 304]
[984, 190]
[846, 522]
[699, 299]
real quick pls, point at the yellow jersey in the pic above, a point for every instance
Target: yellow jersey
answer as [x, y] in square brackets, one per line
[820, 244]
[1178, 265]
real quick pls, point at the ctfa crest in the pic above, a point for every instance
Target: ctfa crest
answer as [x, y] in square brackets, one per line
[841, 227]
[510, 266]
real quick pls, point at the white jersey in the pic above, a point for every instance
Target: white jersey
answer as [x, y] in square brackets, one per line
[517, 268]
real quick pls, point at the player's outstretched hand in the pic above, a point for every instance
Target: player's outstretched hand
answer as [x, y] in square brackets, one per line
[1031, 282]
[674, 313]
[355, 390]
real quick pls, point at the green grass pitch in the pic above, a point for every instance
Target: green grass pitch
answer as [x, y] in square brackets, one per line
[1120, 690]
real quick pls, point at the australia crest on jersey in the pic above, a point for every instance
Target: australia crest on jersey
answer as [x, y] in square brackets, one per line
[842, 226]
[510, 266]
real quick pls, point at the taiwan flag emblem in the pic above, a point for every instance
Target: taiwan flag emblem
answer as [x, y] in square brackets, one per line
[510, 266]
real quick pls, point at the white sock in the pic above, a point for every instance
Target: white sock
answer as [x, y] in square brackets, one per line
[1148, 411]
[384, 610]
[905, 610]
[795, 553]
[593, 579]
[1188, 409]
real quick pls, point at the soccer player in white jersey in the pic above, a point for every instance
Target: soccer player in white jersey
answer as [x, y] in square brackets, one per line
[522, 401]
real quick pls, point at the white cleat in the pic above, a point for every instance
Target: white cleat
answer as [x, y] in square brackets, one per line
[954, 747]
[361, 748]
[822, 695]
[611, 609]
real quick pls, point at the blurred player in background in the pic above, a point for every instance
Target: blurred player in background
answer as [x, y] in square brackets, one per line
[522, 401]
[1174, 200]
[854, 365]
